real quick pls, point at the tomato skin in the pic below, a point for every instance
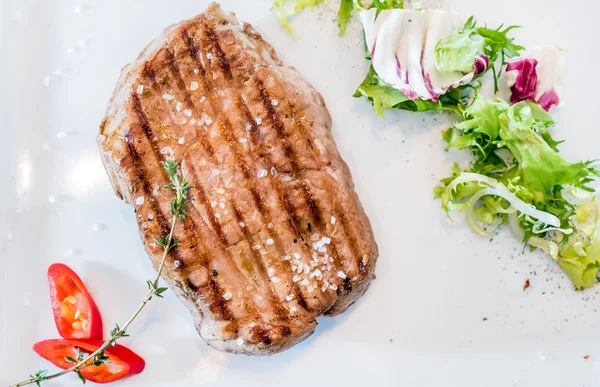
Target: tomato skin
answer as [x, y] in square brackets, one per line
[123, 362]
[75, 313]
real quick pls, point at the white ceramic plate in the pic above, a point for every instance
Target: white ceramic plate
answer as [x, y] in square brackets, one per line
[422, 323]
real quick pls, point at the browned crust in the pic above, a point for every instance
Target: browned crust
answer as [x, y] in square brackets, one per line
[218, 85]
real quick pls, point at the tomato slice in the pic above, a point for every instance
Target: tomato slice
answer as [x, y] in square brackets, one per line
[123, 362]
[75, 312]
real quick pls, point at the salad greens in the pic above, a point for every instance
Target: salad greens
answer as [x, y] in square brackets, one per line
[450, 52]
[458, 49]
[385, 97]
[286, 8]
[519, 178]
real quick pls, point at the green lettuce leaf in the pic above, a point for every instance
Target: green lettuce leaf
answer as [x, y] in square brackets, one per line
[457, 52]
[582, 270]
[385, 97]
[285, 8]
[499, 46]
[540, 167]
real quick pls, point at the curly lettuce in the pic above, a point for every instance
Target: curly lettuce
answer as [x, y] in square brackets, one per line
[528, 187]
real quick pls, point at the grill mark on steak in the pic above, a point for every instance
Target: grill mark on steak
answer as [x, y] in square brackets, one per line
[189, 102]
[140, 173]
[308, 196]
[255, 137]
[189, 224]
[225, 129]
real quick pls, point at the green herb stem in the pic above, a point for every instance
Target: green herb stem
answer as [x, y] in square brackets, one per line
[180, 186]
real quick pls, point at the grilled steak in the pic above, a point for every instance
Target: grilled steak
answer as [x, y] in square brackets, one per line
[276, 235]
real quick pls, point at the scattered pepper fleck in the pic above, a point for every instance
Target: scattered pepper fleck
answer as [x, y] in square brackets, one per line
[527, 284]
[586, 357]
[215, 273]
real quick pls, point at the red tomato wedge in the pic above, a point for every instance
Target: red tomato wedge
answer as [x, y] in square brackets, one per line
[75, 312]
[122, 363]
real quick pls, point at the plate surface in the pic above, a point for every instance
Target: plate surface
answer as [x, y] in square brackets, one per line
[447, 308]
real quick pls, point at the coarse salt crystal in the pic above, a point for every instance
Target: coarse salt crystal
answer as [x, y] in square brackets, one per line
[217, 215]
[242, 224]
[322, 249]
[324, 287]
[202, 99]
[222, 205]
[341, 274]
[333, 287]
[140, 89]
[304, 282]
[215, 172]
[275, 280]
[227, 296]
[273, 171]
[296, 255]
[213, 203]
[243, 140]
[208, 121]
[289, 297]
[209, 55]
[262, 173]
[187, 112]
[274, 102]
[139, 201]
[286, 258]
[333, 220]
[181, 141]
[168, 97]
[286, 178]
[167, 151]
[256, 247]
[270, 226]
[326, 240]
[183, 121]
[220, 191]
[270, 271]
[221, 93]
[178, 106]
[258, 120]
[269, 241]
[239, 342]
[194, 85]
[192, 121]
[196, 71]
[293, 308]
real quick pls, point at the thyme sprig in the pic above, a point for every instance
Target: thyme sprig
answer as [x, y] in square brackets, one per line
[180, 186]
